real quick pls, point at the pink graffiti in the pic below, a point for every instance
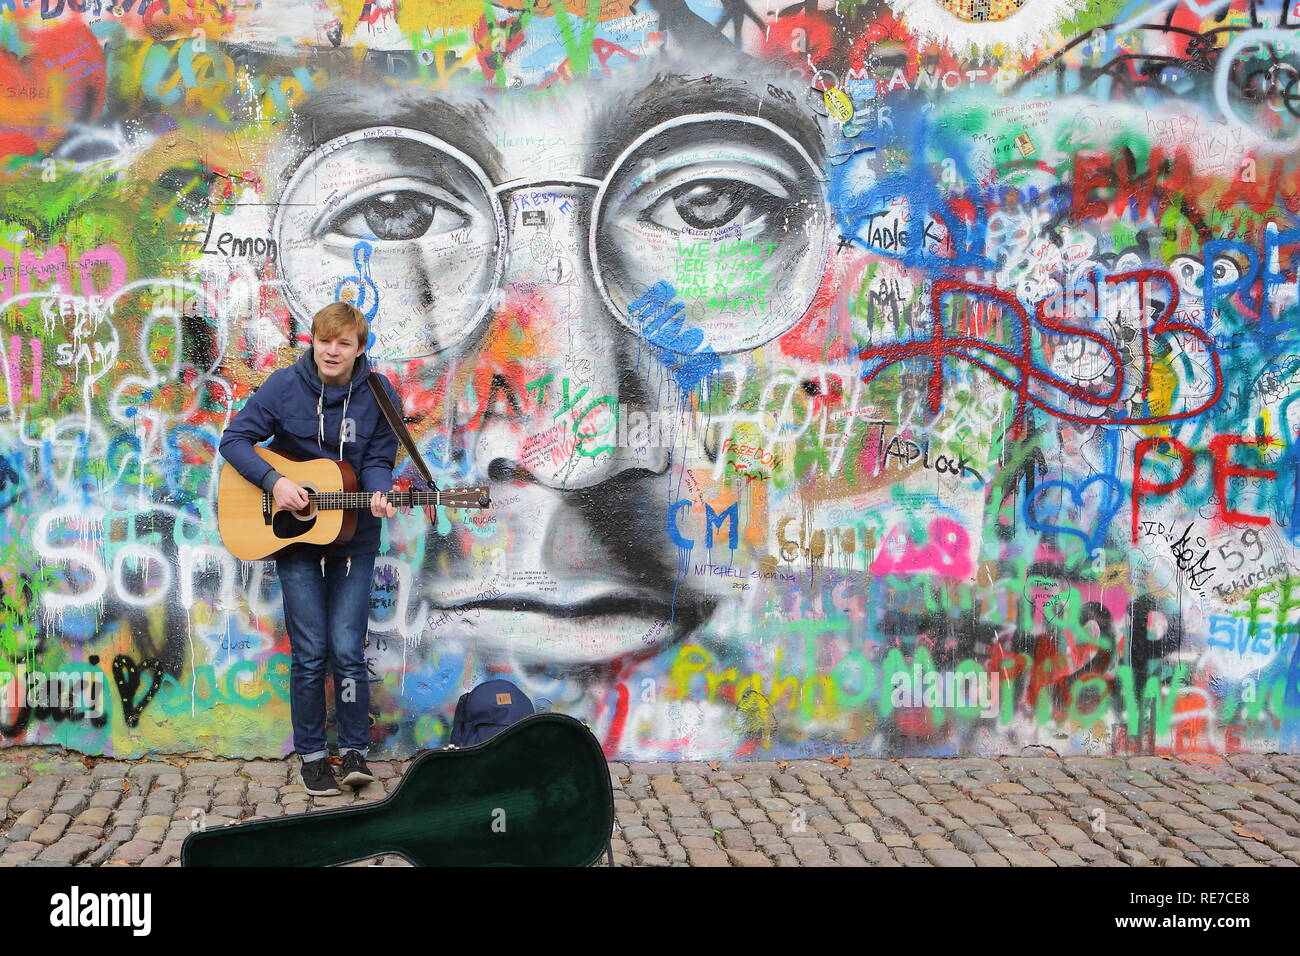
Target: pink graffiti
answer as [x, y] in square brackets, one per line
[51, 266]
[946, 552]
[14, 362]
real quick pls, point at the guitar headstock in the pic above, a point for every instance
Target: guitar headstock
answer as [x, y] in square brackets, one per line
[478, 497]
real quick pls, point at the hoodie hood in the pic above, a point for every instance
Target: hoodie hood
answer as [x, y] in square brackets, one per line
[305, 368]
[331, 396]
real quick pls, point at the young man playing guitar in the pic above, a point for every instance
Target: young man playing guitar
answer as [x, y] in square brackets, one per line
[322, 406]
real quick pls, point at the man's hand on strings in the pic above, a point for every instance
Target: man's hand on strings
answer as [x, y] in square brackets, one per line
[289, 494]
[381, 507]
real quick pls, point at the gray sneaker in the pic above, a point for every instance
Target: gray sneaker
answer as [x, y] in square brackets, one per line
[355, 771]
[319, 780]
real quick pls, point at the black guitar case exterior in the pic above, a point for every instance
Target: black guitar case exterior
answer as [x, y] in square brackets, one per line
[536, 794]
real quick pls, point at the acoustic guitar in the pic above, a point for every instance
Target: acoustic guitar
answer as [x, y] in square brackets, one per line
[536, 794]
[254, 527]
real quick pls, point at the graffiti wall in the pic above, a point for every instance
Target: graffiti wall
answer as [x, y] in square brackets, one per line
[885, 377]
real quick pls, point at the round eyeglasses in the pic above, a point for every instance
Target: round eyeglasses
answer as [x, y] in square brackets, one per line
[712, 226]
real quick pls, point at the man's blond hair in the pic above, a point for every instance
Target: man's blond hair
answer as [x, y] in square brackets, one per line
[338, 317]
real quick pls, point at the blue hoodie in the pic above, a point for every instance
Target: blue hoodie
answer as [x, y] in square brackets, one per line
[285, 408]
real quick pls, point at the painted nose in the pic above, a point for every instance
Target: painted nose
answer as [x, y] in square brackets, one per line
[583, 373]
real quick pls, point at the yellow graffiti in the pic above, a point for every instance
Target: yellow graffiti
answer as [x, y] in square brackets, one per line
[815, 696]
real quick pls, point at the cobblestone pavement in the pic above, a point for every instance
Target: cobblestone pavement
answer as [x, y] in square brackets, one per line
[59, 809]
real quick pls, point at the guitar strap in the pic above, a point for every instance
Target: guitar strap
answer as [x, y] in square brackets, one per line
[399, 427]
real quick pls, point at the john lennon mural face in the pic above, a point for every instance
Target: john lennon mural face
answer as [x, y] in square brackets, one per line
[565, 274]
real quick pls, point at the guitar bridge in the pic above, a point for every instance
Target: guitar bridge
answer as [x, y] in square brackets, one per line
[266, 508]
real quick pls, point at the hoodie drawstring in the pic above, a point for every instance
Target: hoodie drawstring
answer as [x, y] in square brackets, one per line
[343, 437]
[320, 420]
[343, 431]
[346, 573]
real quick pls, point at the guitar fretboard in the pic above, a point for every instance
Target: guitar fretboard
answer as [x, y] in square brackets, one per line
[344, 500]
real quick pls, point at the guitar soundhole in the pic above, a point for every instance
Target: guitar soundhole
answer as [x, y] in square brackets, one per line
[294, 524]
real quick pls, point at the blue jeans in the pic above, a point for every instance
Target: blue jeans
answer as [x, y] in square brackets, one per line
[326, 617]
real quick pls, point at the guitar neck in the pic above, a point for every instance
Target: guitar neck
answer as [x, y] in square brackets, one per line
[346, 500]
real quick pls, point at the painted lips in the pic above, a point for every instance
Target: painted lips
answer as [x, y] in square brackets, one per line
[592, 627]
[612, 604]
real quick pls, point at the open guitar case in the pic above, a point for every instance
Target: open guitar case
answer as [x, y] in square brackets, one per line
[538, 793]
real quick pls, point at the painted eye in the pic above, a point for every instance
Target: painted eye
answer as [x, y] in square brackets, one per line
[1225, 271]
[399, 215]
[709, 204]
